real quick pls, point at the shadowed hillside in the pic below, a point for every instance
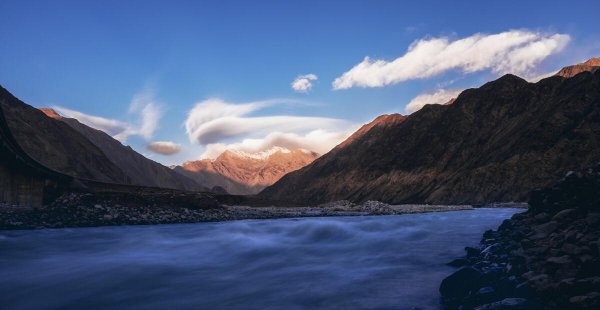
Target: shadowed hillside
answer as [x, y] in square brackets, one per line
[494, 143]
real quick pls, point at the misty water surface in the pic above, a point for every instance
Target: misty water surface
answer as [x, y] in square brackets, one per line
[336, 262]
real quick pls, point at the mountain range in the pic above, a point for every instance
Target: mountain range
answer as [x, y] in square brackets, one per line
[65, 145]
[493, 143]
[139, 169]
[68, 146]
[242, 173]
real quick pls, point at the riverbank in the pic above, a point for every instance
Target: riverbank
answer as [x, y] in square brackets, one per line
[545, 258]
[87, 210]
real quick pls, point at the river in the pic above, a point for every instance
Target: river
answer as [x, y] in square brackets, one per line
[389, 262]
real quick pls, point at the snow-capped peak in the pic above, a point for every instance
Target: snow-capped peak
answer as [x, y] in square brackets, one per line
[264, 155]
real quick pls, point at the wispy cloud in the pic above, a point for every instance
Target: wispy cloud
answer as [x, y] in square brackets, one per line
[214, 120]
[441, 96]
[218, 124]
[110, 126]
[540, 76]
[164, 147]
[144, 104]
[514, 51]
[143, 107]
[303, 83]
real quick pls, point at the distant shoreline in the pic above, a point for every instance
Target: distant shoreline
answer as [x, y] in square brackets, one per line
[76, 213]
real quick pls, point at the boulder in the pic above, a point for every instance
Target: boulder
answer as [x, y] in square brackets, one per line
[460, 283]
[564, 214]
[588, 301]
[571, 249]
[540, 282]
[507, 303]
[543, 230]
[471, 252]
[559, 260]
[459, 262]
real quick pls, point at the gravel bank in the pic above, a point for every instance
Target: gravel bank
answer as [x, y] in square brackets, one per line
[83, 210]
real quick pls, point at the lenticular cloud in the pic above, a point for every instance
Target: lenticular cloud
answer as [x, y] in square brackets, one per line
[164, 147]
[215, 121]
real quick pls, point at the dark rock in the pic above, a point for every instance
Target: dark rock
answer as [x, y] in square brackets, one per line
[522, 290]
[460, 283]
[459, 262]
[541, 217]
[571, 249]
[471, 252]
[549, 255]
[588, 301]
[562, 215]
[488, 234]
[486, 290]
[507, 303]
[559, 260]
[593, 218]
[543, 230]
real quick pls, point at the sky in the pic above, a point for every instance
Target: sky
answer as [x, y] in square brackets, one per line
[184, 80]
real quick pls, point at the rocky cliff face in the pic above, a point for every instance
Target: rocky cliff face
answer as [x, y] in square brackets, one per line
[56, 145]
[241, 173]
[494, 143]
[591, 65]
[139, 169]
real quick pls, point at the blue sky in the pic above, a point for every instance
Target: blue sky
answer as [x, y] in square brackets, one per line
[145, 66]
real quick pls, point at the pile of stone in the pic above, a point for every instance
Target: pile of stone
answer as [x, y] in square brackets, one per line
[545, 258]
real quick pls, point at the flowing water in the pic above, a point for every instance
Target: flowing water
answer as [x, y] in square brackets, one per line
[391, 262]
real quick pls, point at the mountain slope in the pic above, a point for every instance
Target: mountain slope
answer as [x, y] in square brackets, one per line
[243, 174]
[592, 65]
[494, 143]
[55, 144]
[385, 120]
[139, 169]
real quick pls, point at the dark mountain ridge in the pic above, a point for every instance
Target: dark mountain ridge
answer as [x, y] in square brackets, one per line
[141, 170]
[494, 143]
[69, 147]
[55, 144]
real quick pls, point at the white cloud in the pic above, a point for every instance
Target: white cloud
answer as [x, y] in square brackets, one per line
[320, 141]
[109, 126]
[439, 97]
[303, 83]
[534, 78]
[143, 106]
[214, 120]
[514, 51]
[164, 147]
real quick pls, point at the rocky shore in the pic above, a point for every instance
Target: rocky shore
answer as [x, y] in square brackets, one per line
[86, 209]
[545, 258]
